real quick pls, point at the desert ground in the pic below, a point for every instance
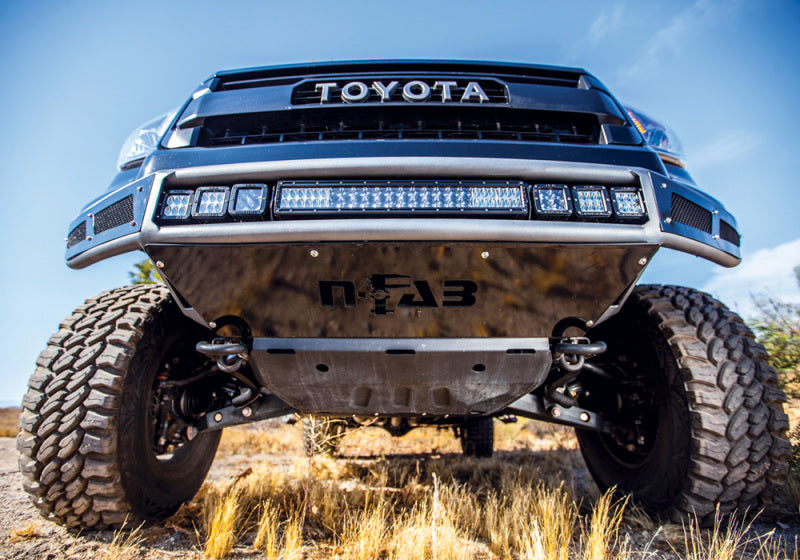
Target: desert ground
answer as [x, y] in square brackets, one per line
[384, 497]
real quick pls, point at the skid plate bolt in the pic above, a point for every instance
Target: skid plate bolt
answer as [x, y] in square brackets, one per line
[555, 412]
[643, 261]
[485, 255]
[218, 417]
[584, 416]
[589, 323]
[667, 220]
[159, 264]
[663, 185]
[247, 412]
[314, 253]
[212, 325]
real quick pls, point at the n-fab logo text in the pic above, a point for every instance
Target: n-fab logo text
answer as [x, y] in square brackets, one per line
[388, 292]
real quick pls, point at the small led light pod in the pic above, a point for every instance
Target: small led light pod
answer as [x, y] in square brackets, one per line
[210, 202]
[627, 202]
[248, 200]
[591, 201]
[176, 205]
[552, 200]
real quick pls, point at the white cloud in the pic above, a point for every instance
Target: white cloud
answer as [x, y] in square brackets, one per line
[609, 21]
[767, 272]
[725, 148]
[670, 39]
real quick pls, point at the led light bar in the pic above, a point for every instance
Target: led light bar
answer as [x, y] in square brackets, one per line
[248, 200]
[210, 202]
[627, 202]
[177, 205]
[409, 197]
[552, 200]
[591, 201]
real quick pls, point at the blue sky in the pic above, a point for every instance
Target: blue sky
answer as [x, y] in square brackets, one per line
[79, 76]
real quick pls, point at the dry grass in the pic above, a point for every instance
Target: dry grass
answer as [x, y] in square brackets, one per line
[267, 535]
[729, 539]
[124, 546]
[26, 533]
[223, 526]
[9, 422]
[417, 502]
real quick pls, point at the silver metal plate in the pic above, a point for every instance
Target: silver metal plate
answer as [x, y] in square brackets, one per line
[436, 377]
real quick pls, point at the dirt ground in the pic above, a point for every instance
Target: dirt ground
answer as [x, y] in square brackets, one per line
[23, 534]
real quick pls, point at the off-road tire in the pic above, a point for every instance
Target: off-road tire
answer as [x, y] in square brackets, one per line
[321, 435]
[477, 436]
[86, 441]
[721, 430]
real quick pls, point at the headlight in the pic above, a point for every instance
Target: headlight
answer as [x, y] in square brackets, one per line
[143, 140]
[659, 136]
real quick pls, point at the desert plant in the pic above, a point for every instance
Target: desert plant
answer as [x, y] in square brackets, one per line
[224, 523]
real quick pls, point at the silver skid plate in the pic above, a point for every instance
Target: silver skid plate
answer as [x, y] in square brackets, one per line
[436, 377]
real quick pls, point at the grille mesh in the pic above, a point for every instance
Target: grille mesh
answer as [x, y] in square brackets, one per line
[382, 124]
[76, 235]
[728, 233]
[690, 214]
[121, 212]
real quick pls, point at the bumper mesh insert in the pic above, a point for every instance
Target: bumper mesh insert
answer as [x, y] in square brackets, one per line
[690, 214]
[119, 213]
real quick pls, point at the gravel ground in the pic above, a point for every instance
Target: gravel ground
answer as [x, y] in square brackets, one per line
[24, 535]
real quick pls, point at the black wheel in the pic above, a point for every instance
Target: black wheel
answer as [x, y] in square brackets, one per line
[321, 435]
[477, 436]
[700, 416]
[92, 449]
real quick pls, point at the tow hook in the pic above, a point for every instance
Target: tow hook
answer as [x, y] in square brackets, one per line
[571, 355]
[572, 352]
[230, 354]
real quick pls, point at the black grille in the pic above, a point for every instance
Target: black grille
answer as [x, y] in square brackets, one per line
[728, 233]
[308, 94]
[121, 212]
[690, 214]
[376, 123]
[76, 235]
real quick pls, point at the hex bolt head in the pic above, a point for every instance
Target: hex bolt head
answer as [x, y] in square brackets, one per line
[555, 412]
[643, 261]
[159, 264]
[247, 412]
[485, 255]
[218, 417]
[314, 253]
[584, 416]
